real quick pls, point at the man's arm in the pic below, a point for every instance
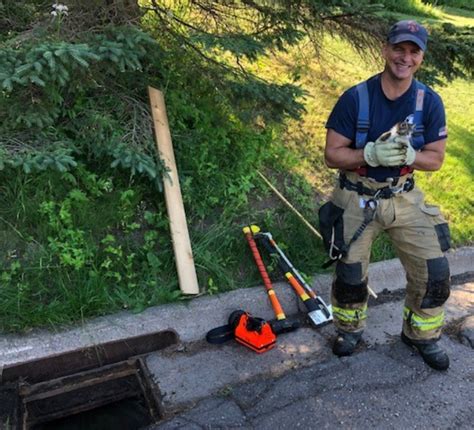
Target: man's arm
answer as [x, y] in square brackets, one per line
[431, 156]
[338, 154]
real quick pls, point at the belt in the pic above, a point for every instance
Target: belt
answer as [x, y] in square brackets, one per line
[381, 193]
[364, 171]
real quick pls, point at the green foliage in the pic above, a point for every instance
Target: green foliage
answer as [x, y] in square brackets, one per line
[93, 246]
[61, 69]
[462, 4]
[59, 159]
[446, 56]
[410, 7]
[66, 241]
[56, 103]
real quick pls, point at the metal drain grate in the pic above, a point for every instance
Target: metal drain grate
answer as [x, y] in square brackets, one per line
[104, 386]
[87, 358]
[47, 404]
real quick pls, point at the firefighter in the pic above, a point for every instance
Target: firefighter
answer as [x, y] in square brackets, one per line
[378, 134]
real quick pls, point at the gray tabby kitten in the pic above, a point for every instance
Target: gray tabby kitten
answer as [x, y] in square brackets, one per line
[402, 128]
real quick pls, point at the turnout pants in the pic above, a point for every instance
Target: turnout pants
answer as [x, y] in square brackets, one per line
[419, 234]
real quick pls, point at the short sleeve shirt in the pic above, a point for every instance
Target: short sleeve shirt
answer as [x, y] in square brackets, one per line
[385, 113]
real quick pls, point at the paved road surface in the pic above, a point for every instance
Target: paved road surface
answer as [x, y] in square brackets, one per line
[300, 384]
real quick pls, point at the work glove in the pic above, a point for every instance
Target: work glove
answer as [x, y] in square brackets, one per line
[408, 150]
[385, 153]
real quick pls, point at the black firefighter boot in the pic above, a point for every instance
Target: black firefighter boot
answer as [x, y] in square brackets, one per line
[433, 355]
[345, 343]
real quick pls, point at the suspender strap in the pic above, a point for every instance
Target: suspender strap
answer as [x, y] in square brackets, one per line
[418, 138]
[363, 122]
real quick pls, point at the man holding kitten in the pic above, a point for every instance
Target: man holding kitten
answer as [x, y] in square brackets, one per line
[378, 133]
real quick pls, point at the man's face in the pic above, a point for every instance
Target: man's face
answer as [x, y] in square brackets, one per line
[402, 60]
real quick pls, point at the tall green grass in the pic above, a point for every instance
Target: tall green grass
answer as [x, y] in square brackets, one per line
[452, 186]
[412, 7]
[458, 17]
[462, 4]
[76, 246]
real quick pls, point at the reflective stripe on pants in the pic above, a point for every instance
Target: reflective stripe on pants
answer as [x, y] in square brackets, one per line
[418, 322]
[350, 315]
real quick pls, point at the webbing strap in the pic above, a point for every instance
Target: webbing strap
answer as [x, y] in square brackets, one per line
[363, 122]
[363, 171]
[418, 139]
[369, 215]
[381, 193]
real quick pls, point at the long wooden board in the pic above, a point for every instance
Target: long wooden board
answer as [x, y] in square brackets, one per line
[183, 253]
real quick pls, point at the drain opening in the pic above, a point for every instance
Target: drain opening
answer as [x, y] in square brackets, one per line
[118, 396]
[8, 406]
[123, 415]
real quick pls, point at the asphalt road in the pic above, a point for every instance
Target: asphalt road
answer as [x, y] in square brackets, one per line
[300, 384]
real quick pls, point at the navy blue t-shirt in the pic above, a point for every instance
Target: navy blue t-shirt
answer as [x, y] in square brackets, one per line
[384, 114]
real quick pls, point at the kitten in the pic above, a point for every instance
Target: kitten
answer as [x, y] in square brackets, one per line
[402, 128]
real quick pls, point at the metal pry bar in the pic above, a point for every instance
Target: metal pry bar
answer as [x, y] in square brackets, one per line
[318, 312]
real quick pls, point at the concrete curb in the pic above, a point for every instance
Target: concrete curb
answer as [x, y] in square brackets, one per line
[186, 374]
[193, 319]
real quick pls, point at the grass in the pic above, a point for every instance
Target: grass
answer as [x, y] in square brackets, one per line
[465, 5]
[412, 7]
[458, 17]
[451, 187]
[453, 15]
[58, 268]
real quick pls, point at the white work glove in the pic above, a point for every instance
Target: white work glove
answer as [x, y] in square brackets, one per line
[388, 153]
[408, 150]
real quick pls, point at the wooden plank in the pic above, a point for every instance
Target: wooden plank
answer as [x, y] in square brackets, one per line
[183, 253]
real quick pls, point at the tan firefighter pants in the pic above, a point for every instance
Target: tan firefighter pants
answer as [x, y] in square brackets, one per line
[419, 234]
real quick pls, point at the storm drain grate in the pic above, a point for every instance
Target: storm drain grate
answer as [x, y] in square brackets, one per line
[87, 358]
[120, 395]
[106, 386]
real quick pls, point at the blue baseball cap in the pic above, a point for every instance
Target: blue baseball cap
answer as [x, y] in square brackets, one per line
[408, 31]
